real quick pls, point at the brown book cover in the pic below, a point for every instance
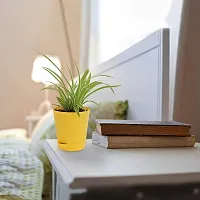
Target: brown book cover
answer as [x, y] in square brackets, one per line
[133, 127]
[123, 142]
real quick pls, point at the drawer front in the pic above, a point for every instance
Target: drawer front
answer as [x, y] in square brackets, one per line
[156, 192]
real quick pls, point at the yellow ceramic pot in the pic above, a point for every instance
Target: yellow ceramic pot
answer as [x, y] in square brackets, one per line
[71, 130]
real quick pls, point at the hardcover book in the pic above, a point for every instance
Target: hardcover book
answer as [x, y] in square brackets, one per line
[123, 142]
[133, 127]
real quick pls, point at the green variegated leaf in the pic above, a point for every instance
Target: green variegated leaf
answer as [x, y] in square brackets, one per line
[92, 102]
[101, 88]
[72, 95]
[102, 75]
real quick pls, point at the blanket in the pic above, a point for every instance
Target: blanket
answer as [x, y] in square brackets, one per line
[21, 173]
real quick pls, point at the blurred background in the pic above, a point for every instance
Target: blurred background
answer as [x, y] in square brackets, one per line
[24, 26]
[98, 31]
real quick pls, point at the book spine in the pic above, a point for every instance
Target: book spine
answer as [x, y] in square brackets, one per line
[117, 142]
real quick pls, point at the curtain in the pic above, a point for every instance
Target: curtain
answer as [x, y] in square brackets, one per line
[187, 87]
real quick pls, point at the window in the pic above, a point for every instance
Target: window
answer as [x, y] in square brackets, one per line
[118, 24]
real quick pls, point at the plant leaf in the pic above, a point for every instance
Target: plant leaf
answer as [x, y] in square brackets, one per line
[55, 66]
[92, 102]
[84, 76]
[71, 76]
[72, 95]
[103, 75]
[101, 88]
[55, 75]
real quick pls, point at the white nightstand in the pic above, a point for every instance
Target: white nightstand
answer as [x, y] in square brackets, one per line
[95, 168]
[32, 120]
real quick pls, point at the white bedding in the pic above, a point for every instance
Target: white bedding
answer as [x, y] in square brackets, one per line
[21, 173]
[17, 133]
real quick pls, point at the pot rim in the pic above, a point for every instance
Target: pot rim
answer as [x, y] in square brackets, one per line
[87, 109]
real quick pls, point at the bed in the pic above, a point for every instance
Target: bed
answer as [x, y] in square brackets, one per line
[21, 173]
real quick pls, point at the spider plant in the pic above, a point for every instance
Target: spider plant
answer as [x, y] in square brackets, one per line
[74, 94]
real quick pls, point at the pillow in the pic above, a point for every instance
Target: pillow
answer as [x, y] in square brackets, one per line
[107, 110]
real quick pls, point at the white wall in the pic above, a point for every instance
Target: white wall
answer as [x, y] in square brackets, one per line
[27, 25]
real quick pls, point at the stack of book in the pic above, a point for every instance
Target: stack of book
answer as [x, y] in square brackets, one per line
[116, 134]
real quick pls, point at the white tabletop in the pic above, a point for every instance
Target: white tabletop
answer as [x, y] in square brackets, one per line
[96, 166]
